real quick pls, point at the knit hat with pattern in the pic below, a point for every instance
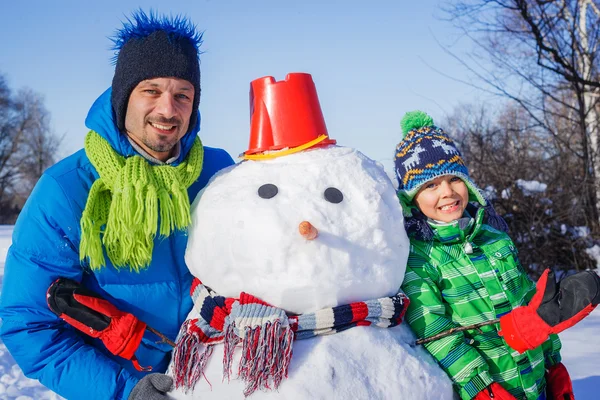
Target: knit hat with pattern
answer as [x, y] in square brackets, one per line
[149, 46]
[425, 153]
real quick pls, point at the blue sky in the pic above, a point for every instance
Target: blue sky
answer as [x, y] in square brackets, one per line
[371, 61]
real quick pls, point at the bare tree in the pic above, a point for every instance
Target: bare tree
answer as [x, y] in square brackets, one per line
[27, 147]
[39, 146]
[9, 143]
[543, 55]
[531, 182]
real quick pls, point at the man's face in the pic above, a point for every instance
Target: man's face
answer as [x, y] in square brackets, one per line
[158, 114]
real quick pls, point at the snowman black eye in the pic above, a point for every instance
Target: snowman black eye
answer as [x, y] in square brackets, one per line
[268, 191]
[333, 195]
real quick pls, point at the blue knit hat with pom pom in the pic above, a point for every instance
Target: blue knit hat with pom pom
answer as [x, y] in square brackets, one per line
[425, 153]
[151, 46]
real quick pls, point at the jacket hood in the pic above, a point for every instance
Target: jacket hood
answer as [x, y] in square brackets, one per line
[100, 119]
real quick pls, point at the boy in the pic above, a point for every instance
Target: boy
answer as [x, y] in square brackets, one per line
[463, 269]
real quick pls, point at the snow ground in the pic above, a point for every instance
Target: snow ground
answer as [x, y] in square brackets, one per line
[581, 355]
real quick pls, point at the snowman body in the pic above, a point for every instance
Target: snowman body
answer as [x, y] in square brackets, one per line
[245, 238]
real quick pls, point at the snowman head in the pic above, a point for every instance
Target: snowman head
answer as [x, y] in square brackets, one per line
[300, 229]
[247, 231]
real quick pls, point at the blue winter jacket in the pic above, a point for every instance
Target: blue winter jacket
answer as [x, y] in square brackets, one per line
[45, 246]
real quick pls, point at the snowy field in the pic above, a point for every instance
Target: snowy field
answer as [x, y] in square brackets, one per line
[581, 355]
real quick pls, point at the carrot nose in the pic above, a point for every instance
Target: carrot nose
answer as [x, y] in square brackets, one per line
[307, 230]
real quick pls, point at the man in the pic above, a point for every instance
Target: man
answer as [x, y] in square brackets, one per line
[113, 217]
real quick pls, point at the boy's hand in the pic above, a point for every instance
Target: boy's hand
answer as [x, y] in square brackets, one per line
[558, 383]
[554, 308]
[494, 392]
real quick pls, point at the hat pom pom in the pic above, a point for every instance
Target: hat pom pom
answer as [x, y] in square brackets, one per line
[414, 120]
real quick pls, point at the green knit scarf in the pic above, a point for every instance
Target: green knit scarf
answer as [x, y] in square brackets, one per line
[123, 206]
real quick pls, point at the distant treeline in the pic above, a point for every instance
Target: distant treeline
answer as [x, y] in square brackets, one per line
[27, 147]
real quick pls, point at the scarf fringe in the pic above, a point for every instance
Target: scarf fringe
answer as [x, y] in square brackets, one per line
[92, 221]
[140, 193]
[180, 199]
[189, 359]
[166, 212]
[266, 355]
[150, 211]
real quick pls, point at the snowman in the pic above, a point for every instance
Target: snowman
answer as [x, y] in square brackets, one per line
[299, 252]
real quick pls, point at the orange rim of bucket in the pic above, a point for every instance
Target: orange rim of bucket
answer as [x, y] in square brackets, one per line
[275, 154]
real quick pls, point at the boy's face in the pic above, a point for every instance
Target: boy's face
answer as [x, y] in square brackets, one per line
[443, 199]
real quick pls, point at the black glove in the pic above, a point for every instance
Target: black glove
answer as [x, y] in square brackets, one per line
[152, 387]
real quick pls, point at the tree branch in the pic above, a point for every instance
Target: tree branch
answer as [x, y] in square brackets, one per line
[457, 329]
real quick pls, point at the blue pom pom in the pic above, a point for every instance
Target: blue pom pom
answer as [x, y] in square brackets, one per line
[141, 25]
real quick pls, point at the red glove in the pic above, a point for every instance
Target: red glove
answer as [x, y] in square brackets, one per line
[555, 307]
[85, 310]
[558, 383]
[494, 392]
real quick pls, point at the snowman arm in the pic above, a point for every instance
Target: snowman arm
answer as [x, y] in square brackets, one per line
[427, 316]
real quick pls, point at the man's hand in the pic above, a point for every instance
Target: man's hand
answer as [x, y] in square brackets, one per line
[152, 387]
[555, 307]
[85, 310]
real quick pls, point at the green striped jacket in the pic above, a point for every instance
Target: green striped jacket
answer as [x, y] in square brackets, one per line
[469, 274]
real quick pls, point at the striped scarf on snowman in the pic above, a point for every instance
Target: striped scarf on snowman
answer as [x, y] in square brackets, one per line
[266, 334]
